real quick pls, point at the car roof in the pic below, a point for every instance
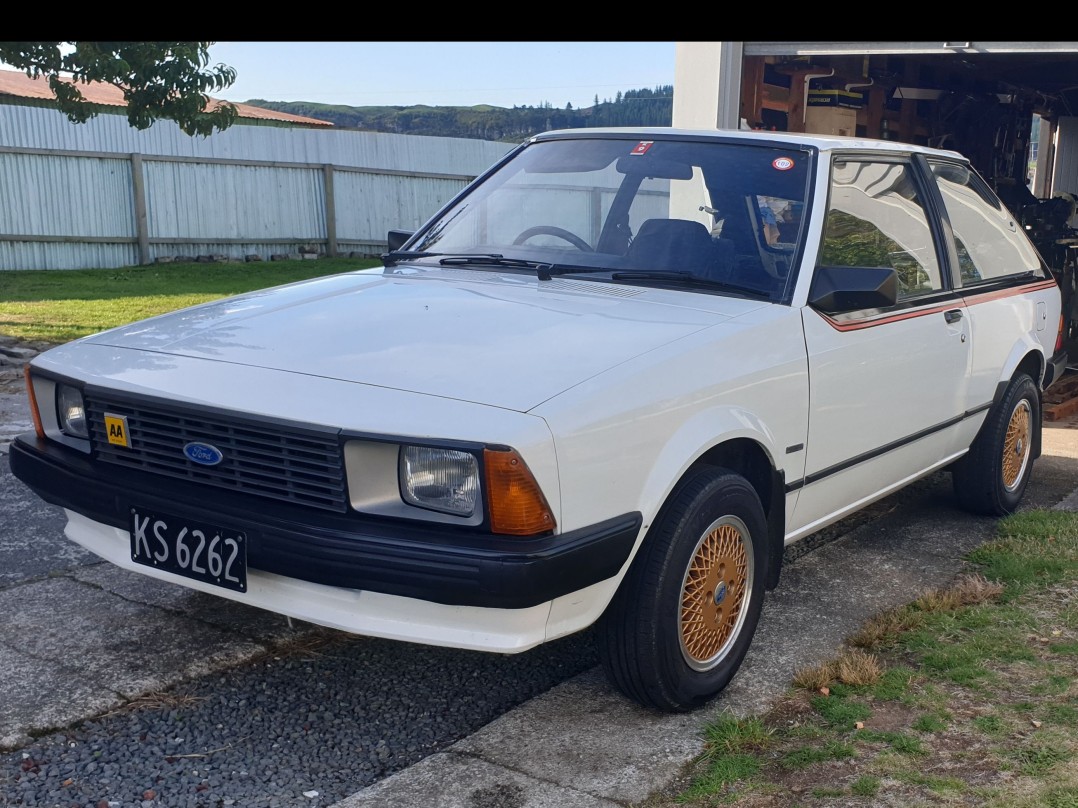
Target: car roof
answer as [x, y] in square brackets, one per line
[821, 142]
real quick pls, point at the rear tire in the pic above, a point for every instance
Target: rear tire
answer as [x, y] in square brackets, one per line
[681, 622]
[992, 477]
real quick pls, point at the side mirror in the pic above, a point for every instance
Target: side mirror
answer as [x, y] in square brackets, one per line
[839, 289]
[398, 238]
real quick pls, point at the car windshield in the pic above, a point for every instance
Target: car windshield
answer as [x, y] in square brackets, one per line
[706, 215]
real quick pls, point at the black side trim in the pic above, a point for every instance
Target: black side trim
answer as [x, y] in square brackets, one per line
[816, 476]
[443, 564]
[797, 447]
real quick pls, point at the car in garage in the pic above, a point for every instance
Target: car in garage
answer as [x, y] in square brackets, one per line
[606, 385]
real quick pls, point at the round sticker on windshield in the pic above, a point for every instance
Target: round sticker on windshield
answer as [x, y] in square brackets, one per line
[782, 163]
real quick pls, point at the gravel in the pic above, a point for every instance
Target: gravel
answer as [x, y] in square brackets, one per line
[330, 720]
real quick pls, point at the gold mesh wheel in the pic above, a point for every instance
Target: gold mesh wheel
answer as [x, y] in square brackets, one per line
[715, 593]
[1016, 445]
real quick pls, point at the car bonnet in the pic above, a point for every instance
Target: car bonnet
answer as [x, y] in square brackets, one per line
[504, 340]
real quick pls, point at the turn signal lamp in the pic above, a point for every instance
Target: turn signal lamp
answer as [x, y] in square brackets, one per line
[1059, 335]
[35, 414]
[517, 505]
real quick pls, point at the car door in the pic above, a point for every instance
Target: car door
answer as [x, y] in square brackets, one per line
[888, 385]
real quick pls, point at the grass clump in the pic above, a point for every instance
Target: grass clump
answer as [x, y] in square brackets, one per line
[854, 668]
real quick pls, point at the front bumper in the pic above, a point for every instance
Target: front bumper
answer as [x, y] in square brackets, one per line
[443, 565]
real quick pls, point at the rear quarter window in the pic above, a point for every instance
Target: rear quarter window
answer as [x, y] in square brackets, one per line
[989, 242]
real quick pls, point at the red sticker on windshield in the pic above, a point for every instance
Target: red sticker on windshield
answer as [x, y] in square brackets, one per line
[782, 163]
[642, 147]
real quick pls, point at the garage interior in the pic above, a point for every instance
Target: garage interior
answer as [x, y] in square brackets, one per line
[1012, 110]
[1005, 111]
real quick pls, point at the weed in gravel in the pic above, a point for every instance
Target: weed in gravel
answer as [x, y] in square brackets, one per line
[157, 700]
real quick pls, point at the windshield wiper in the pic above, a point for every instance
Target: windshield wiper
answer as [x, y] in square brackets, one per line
[492, 259]
[548, 271]
[395, 256]
[687, 278]
[544, 270]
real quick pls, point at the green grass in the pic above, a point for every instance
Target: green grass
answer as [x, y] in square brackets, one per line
[930, 722]
[60, 305]
[865, 786]
[1036, 548]
[730, 754]
[894, 683]
[807, 755]
[1037, 760]
[990, 725]
[969, 684]
[839, 711]
[900, 742]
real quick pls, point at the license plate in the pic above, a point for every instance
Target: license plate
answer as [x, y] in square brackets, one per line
[197, 550]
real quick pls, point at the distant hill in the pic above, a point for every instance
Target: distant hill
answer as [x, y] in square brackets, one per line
[484, 122]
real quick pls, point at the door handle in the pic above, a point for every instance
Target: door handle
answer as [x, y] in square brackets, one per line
[952, 316]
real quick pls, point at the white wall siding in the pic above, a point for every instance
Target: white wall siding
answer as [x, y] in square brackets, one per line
[65, 255]
[65, 196]
[73, 192]
[209, 200]
[369, 205]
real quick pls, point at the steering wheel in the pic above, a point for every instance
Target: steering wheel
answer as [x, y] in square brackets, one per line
[557, 232]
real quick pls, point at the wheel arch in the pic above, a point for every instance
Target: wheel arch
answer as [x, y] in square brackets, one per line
[1031, 361]
[749, 456]
[753, 462]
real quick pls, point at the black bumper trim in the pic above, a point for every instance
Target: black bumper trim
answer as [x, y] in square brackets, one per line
[429, 562]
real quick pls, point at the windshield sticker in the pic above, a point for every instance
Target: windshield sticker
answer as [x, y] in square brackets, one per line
[782, 163]
[642, 147]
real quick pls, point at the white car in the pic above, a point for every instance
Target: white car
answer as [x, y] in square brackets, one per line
[607, 384]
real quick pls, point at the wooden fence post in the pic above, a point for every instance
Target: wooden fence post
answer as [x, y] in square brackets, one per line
[138, 181]
[331, 211]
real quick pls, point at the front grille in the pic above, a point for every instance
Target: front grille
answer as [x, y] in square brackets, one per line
[266, 459]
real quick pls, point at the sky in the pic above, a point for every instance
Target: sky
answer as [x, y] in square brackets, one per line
[503, 74]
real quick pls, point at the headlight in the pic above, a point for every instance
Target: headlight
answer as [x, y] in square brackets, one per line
[442, 480]
[71, 411]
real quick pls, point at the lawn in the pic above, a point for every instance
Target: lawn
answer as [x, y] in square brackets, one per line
[55, 306]
[966, 696]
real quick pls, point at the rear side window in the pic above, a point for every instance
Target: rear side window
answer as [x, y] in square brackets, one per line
[989, 243]
[875, 218]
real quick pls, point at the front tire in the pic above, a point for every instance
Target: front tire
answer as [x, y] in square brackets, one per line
[992, 477]
[681, 622]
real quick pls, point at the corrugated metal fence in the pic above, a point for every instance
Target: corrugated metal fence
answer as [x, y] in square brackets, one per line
[80, 202]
